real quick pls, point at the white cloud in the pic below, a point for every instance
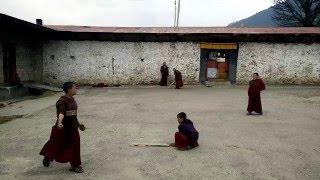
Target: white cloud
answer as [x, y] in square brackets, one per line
[133, 12]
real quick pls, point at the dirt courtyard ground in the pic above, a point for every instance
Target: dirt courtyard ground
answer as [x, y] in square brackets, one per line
[284, 143]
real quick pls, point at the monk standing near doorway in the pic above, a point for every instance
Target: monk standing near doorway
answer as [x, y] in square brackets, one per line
[256, 85]
[64, 143]
[164, 74]
[178, 78]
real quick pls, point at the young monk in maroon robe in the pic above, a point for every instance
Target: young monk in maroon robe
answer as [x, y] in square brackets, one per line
[64, 143]
[164, 74]
[178, 78]
[256, 85]
[187, 137]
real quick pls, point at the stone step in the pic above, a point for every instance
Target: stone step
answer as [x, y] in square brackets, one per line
[9, 92]
[217, 83]
[42, 86]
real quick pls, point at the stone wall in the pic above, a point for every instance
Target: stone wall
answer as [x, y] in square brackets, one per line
[279, 63]
[1, 64]
[91, 62]
[29, 61]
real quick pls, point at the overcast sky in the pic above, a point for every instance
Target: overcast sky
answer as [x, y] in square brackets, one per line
[132, 12]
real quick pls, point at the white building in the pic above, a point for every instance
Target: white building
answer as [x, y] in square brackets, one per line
[129, 55]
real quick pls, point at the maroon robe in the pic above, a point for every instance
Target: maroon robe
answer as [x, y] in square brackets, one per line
[164, 75]
[254, 103]
[64, 144]
[178, 79]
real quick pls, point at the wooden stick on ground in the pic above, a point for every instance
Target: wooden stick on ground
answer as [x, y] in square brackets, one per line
[150, 145]
[171, 84]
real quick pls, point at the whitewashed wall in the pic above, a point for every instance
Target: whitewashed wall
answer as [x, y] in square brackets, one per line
[90, 62]
[279, 63]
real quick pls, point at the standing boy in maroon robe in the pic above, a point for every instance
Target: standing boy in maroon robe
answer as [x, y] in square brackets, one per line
[187, 137]
[64, 143]
[164, 75]
[256, 85]
[178, 78]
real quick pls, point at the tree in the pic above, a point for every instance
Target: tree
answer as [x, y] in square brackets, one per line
[297, 12]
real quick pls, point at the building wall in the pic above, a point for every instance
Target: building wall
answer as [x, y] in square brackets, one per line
[29, 61]
[91, 62]
[279, 63]
[1, 64]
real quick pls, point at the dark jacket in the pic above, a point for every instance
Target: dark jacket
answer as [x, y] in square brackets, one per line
[186, 128]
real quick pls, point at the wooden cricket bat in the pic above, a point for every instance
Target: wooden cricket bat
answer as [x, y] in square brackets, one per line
[150, 145]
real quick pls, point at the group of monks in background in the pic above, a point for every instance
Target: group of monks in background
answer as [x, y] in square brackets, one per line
[165, 73]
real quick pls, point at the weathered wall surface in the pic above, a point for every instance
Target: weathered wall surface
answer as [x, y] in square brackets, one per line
[1, 64]
[29, 61]
[279, 63]
[90, 62]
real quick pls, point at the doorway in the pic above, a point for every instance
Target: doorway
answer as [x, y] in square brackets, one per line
[218, 62]
[9, 63]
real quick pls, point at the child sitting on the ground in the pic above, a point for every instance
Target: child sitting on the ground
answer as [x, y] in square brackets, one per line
[187, 137]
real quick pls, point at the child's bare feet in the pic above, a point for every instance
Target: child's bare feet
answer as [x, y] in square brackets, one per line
[45, 162]
[82, 127]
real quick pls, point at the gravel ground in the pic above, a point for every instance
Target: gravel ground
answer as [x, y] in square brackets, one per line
[284, 143]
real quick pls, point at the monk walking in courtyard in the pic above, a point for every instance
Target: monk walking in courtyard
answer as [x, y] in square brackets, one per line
[256, 86]
[187, 137]
[164, 74]
[64, 143]
[178, 78]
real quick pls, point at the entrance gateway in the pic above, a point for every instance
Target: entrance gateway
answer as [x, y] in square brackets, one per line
[218, 62]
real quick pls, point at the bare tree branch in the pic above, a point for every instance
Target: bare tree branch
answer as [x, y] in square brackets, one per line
[297, 12]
